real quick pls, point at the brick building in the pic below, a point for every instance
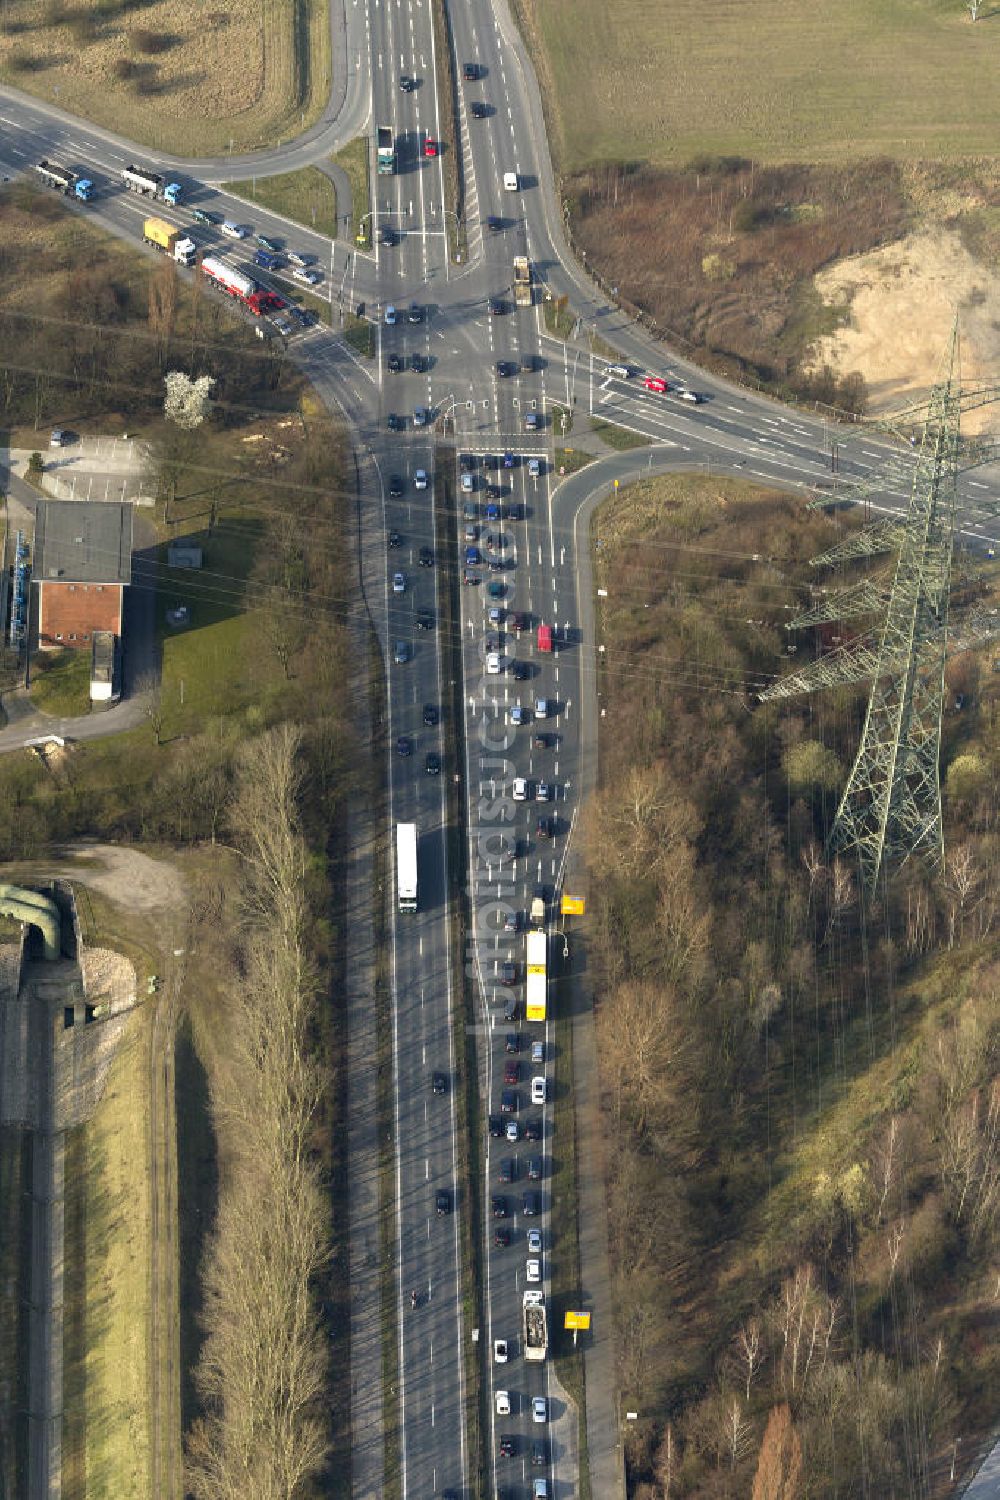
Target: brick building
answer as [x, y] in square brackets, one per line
[82, 566]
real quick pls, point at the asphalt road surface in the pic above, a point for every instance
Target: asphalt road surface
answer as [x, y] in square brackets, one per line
[470, 358]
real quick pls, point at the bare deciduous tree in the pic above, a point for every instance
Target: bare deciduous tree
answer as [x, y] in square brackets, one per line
[750, 1340]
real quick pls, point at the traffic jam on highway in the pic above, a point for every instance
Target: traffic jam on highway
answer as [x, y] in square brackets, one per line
[258, 297]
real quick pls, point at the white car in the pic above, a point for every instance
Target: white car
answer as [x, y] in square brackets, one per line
[518, 715]
[493, 664]
[390, 316]
[541, 708]
[399, 583]
[420, 479]
[500, 1351]
[510, 182]
[520, 789]
[233, 231]
[691, 396]
[534, 467]
[503, 1403]
[468, 484]
[512, 1130]
[539, 1409]
[534, 1242]
[297, 259]
[309, 278]
[533, 1270]
[622, 371]
[538, 1091]
[538, 1052]
[544, 791]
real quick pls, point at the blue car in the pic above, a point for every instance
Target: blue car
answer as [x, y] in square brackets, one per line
[472, 557]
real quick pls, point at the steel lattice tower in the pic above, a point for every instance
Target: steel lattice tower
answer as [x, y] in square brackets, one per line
[891, 806]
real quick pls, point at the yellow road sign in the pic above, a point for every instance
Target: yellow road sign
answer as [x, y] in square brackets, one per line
[573, 906]
[577, 1320]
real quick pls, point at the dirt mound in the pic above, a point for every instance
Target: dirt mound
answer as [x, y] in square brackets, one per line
[903, 300]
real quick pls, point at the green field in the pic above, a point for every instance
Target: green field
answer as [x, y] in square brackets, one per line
[174, 74]
[306, 197]
[772, 80]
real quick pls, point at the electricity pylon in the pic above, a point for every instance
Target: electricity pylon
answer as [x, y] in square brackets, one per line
[891, 806]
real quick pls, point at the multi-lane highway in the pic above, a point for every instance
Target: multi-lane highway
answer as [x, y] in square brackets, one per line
[458, 351]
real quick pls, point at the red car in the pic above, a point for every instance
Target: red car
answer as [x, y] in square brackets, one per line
[430, 146]
[510, 1072]
[656, 383]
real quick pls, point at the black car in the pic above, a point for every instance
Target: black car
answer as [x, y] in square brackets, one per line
[497, 307]
[415, 315]
[394, 364]
[406, 83]
[501, 1238]
[470, 72]
[466, 462]
[432, 763]
[425, 619]
[519, 621]
[508, 1170]
[442, 1201]
[426, 557]
[418, 363]
[494, 223]
[387, 237]
[507, 1447]
[534, 1169]
[520, 670]
[544, 828]
[497, 564]
[533, 1130]
[539, 1455]
[499, 1205]
[440, 1083]
[404, 745]
[430, 714]
[395, 423]
[508, 972]
[508, 1102]
[395, 540]
[512, 1042]
[479, 110]
[505, 369]
[496, 1127]
[529, 1205]
[395, 487]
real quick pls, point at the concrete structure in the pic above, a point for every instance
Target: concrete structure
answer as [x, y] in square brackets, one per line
[83, 564]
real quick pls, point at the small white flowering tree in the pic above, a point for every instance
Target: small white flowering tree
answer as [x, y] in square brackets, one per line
[187, 402]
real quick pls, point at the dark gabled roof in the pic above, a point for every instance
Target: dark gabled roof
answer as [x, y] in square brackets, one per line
[83, 541]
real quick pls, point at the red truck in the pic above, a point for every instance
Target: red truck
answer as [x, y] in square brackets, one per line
[254, 298]
[545, 637]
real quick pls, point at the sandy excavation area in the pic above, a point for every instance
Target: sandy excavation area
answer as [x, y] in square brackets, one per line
[903, 299]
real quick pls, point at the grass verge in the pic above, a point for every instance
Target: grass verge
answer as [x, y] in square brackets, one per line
[60, 683]
[355, 161]
[305, 197]
[107, 1221]
[451, 133]
[571, 460]
[359, 335]
[565, 1254]
[560, 319]
[617, 437]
